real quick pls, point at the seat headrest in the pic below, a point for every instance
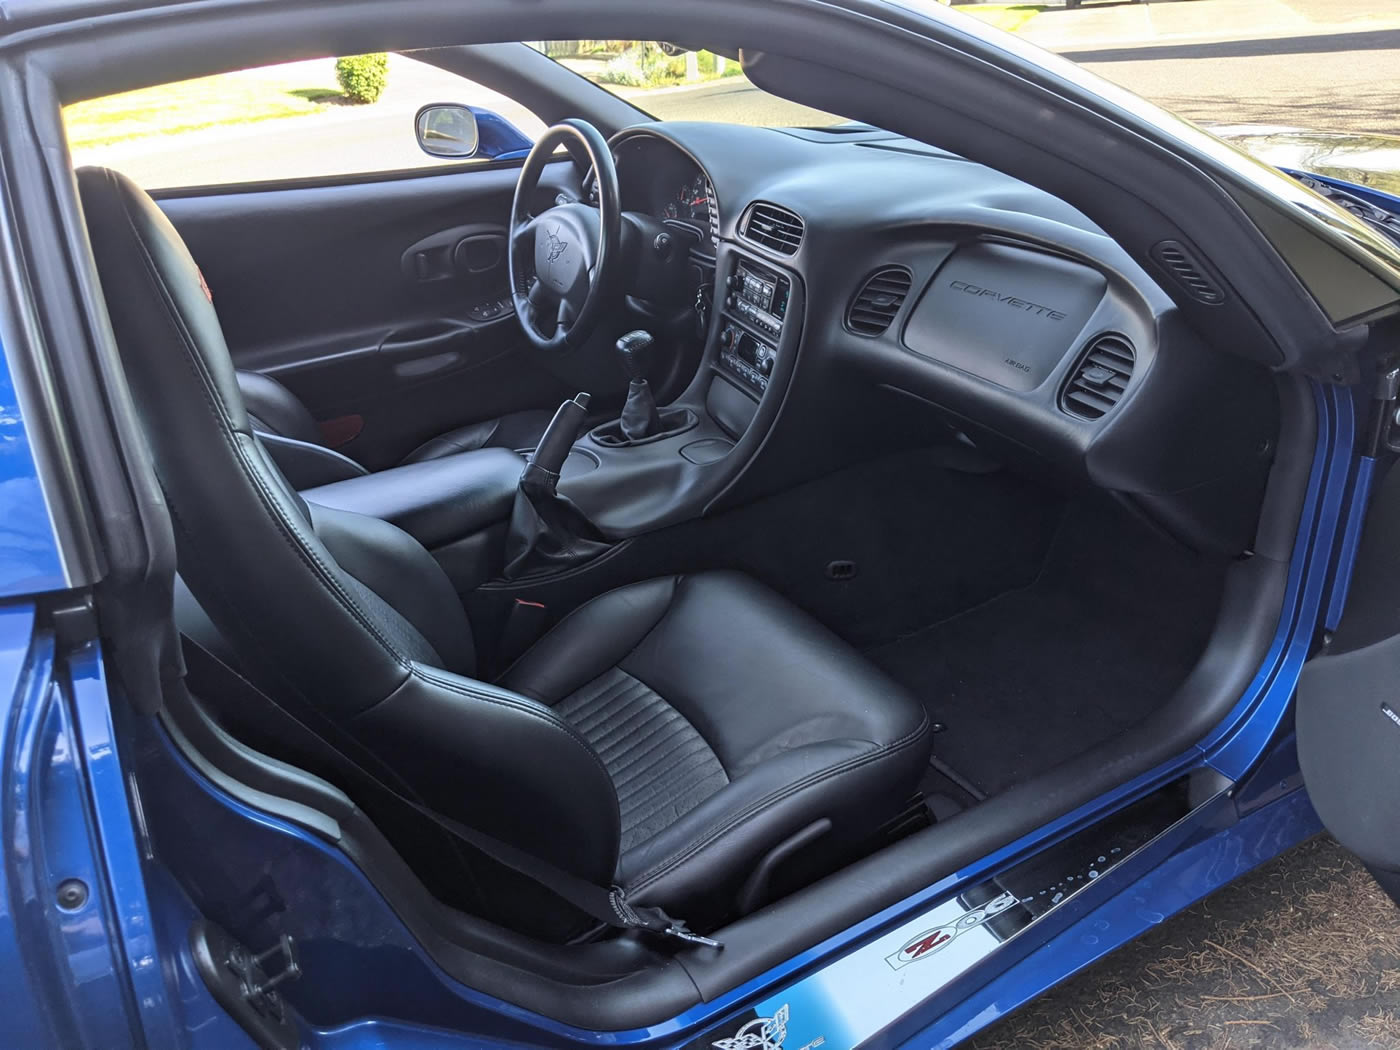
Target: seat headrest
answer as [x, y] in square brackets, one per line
[155, 293]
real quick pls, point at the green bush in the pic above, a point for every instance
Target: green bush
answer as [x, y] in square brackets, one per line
[363, 76]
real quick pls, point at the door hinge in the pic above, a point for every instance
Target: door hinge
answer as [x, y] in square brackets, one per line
[246, 984]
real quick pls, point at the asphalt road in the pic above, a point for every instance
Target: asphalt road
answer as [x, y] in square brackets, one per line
[1347, 81]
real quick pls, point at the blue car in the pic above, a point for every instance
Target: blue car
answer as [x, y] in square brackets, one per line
[803, 543]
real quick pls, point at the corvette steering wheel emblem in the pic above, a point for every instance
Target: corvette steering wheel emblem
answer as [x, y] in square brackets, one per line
[557, 245]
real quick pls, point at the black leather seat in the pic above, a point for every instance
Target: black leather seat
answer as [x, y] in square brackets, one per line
[668, 734]
[291, 435]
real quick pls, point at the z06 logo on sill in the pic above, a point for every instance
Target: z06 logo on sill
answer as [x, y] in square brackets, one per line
[930, 942]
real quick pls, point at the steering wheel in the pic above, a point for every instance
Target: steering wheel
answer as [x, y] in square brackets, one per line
[568, 256]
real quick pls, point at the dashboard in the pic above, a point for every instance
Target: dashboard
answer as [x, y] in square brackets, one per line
[858, 274]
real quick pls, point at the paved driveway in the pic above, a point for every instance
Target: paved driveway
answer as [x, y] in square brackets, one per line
[1063, 29]
[1328, 64]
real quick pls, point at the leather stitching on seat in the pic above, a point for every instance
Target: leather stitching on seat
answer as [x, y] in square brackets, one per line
[661, 767]
[699, 845]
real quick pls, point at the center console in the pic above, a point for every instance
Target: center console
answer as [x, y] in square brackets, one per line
[755, 307]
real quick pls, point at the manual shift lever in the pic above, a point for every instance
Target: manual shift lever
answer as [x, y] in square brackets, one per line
[640, 419]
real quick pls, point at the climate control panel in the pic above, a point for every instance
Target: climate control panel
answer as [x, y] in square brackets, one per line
[747, 357]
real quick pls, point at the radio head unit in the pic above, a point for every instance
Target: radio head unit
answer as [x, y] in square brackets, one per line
[759, 296]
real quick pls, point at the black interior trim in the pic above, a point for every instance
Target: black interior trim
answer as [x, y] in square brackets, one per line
[464, 947]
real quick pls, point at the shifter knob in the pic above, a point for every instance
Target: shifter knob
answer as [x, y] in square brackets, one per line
[634, 349]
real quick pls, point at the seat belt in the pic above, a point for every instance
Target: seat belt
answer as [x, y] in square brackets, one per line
[206, 673]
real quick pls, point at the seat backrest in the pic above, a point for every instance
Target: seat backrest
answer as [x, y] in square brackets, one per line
[353, 617]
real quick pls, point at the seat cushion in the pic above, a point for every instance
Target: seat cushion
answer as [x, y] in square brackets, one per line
[516, 431]
[728, 721]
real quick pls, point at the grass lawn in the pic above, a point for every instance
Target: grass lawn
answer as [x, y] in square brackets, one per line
[1009, 17]
[249, 95]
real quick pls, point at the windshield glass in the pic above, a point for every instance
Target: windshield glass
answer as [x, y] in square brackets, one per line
[669, 83]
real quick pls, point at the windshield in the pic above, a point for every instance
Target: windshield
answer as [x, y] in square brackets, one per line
[1306, 85]
[669, 83]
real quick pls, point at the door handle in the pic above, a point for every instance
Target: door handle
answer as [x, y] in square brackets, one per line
[427, 338]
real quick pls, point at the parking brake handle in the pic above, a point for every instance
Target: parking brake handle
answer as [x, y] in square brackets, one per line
[559, 437]
[547, 532]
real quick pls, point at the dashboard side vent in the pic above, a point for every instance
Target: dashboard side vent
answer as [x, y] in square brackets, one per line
[1182, 266]
[1100, 377]
[878, 301]
[775, 228]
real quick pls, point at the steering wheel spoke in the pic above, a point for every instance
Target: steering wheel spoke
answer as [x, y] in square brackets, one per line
[564, 318]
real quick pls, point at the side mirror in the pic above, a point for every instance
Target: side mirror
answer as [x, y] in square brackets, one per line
[445, 129]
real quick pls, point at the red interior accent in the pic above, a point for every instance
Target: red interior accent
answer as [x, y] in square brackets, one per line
[341, 430]
[532, 605]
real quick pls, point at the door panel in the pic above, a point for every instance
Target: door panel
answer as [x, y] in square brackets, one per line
[1348, 719]
[376, 302]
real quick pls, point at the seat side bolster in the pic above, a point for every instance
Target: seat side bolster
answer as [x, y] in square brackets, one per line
[591, 640]
[502, 763]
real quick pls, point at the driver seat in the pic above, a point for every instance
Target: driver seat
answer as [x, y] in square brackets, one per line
[667, 737]
[293, 439]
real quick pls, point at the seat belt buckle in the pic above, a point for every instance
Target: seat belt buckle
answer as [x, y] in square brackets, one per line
[656, 921]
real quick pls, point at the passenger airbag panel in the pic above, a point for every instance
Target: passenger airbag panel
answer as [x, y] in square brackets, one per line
[1004, 314]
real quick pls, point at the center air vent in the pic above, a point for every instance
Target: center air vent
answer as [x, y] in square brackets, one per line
[775, 228]
[878, 301]
[1100, 378]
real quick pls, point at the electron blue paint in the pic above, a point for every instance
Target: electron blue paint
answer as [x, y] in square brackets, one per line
[31, 1016]
[121, 855]
[1379, 198]
[497, 138]
[56, 811]
[1351, 540]
[73, 977]
[30, 561]
[1180, 881]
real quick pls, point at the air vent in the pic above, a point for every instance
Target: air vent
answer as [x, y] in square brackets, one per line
[1100, 378]
[714, 211]
[878, 301]
[1181, 264]
[775, 228]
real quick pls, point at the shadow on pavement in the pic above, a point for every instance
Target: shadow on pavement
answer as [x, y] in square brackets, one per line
[1317, 44]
